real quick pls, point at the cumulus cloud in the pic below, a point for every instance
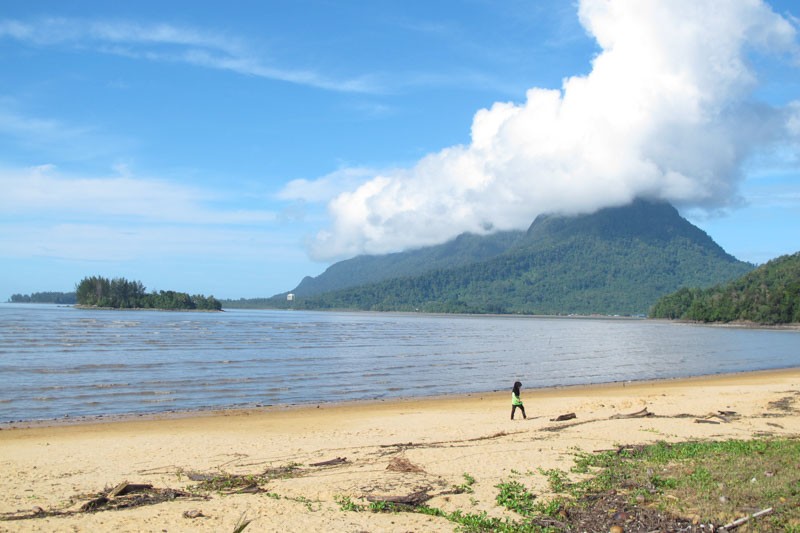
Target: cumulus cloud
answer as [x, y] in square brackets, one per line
[325, 188]
[667, 112]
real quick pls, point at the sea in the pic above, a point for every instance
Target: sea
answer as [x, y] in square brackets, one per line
[62, 362]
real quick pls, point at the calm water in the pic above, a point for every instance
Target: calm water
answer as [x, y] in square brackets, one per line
[61, 361]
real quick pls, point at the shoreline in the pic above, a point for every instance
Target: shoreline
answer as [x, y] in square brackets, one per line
[795, 326]
[400, 400]
[353, 451]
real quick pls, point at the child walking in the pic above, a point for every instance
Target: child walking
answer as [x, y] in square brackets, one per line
[515, 400]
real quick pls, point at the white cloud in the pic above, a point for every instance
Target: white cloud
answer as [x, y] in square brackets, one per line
[327, 187]
[114, 242]
[48, 193]
[170, 43]
[666, 112]
[122, 218]
[65, 141]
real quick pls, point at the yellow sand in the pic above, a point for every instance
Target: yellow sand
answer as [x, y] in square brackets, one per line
[58, 467]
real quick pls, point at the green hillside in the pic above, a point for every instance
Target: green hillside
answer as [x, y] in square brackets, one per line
[615, 261]
[769, 294]
[463, 250]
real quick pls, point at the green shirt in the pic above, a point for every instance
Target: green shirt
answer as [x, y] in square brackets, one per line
[515, 399]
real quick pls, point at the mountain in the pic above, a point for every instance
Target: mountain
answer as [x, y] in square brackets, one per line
[615, 261]
[464, 250]
[769, 294]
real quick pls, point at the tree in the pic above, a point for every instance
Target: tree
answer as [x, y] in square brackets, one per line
[119, 293]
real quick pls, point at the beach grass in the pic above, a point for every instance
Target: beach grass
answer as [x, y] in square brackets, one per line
[717, 482]
[726, 483]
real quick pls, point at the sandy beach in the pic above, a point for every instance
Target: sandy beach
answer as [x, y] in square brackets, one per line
[366, 450]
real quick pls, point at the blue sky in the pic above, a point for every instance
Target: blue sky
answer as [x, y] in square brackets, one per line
[234, 149]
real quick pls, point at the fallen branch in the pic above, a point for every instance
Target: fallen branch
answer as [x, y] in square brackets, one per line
[127, 488]
[644, 413]
[451, 442]
[738, 522]
[413, 499]
[331, 462]
[249, 489]
[125, 496]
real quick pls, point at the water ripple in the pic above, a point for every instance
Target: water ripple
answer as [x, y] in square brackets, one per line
[60, 361]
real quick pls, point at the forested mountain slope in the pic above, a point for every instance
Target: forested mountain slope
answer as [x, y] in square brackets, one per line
[463, 250]
[769, 294]
[615, 261]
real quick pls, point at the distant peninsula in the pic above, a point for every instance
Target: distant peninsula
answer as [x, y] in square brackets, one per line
[119, 293]
[49, 297]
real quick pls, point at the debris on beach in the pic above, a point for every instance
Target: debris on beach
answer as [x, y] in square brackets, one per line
[718, 417]
[785, 404]
[414, 499]
[331, 462]
[644, 413]
[401, 464]
[229, 483]
[124, 495]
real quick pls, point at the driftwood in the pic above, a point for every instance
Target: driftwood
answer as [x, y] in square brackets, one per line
[413, 499]
[725, 416]
[126, 495]
[439, 443]
[249, 489]
[738, 522]
[561, 418]
[331, 462]
[123, 496]
[721, 416]
[644, 413]
[199, 476]
[120, 490]
[127, 488]
[94, 504]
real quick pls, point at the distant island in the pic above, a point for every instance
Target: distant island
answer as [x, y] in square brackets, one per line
[51, 297]
[769, 295]
[119, 293]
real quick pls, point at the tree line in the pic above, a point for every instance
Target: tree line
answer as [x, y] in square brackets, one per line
[47, 297]
[768, 295]
[119, 293]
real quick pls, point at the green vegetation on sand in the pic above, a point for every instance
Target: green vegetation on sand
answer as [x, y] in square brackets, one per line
[688, 486]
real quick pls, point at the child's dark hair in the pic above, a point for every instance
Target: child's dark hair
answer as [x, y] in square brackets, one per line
[517, 385]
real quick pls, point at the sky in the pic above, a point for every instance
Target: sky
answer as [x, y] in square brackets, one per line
[230, 149]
